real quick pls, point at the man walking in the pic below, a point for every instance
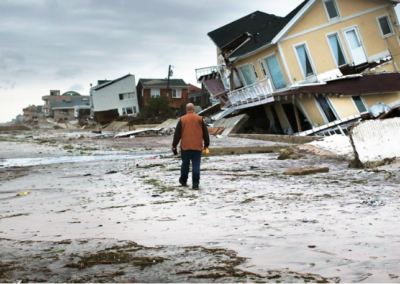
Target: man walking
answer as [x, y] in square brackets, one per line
[192, 130]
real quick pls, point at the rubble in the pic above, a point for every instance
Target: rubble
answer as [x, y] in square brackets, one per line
[306, 171]
[289, 154]
[375, 143]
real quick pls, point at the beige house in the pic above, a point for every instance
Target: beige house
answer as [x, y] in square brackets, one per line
[319, 68]
[65, 106]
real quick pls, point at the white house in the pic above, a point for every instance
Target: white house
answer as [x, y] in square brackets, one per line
[109, 99]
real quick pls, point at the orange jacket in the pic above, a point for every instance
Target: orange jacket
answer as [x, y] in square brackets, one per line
[192, 130]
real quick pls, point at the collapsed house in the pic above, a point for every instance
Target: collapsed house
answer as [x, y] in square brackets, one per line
[315, 71]
[112, 98]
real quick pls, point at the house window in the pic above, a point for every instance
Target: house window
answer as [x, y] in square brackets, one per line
[304, 60]
[337, 50]
[331, 9]
[385, 26]
[275, 71]
[248, 74]
[154, 93]
[326, 108]
[177, 93]
[127, 96]
[359, 104]
[129, 110]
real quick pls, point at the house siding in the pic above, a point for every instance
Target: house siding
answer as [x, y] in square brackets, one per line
[344, 106]
[388, 98]
[175, 103]
[58, 114]
[256, 57]
[107, 98]
[319, 47]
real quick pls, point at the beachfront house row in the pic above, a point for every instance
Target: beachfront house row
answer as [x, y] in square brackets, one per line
[113, 98]
[321, 66]
[176, 90]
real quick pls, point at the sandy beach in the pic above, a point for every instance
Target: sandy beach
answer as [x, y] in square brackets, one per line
[248, 222]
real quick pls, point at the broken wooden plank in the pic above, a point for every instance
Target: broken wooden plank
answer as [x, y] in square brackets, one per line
[305, 171]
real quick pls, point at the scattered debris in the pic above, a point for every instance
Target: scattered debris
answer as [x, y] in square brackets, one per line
[381, 148]
[305, 171]
[289, 154]
[26, 192]
[305, 220]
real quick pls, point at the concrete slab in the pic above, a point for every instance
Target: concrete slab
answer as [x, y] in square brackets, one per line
[232, 124]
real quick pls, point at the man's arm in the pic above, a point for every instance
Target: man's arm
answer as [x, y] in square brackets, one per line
[206, 136]
[177, 134]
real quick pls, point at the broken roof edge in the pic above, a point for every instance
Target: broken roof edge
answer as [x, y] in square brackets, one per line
[283, 31]
[95, 88]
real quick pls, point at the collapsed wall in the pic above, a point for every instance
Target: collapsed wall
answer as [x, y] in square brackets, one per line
[375, 142]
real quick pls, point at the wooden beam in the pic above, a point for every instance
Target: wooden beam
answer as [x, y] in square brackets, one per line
[296, 113]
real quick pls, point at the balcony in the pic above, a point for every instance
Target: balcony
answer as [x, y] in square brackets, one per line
[258, 93]
[206, 71]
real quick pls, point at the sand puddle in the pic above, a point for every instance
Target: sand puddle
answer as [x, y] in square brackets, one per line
[26, 162]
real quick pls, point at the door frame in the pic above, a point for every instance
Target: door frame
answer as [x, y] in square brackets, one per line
[354, 27]
[252, 68]
[269, 72]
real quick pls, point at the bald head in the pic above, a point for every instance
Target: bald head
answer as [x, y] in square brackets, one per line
[190, 107]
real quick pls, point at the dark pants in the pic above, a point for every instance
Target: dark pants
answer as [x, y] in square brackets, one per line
[195, 157]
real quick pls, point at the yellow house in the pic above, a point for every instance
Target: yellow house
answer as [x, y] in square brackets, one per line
[318, 69]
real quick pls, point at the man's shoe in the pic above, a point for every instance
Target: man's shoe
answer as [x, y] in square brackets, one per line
[195, 187]
[183, 183]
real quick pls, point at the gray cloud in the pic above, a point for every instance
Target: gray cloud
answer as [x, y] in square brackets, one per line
[87, 40]
[8, 56]
[67, 72]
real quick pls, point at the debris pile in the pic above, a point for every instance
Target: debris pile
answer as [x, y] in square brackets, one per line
[375, 143]
[289, 154]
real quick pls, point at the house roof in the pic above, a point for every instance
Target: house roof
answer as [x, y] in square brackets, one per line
[267, 33]
[75, 101]
[108, 83]
[160, 83]
[367, 84]
[264, 34]
[193, 88]
[251, 24]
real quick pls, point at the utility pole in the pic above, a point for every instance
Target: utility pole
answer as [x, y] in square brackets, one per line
[169, 74]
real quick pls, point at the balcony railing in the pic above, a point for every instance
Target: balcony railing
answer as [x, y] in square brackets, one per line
[256, 92]
[205, 71]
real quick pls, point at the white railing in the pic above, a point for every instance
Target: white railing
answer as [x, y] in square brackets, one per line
[259, 91]
[205, 71]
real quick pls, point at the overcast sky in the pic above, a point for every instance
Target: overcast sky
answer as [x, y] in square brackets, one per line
[68, 44]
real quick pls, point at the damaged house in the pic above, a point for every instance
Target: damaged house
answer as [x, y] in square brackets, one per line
[112, 98]
[315, 71]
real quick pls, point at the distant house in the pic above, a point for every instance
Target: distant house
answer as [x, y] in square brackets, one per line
[199, 97]
[113, 98]
[69, 109]
[64, 106]
[31, 113]
[177, 92]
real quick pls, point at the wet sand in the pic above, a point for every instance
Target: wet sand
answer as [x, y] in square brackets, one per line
[336, 224]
